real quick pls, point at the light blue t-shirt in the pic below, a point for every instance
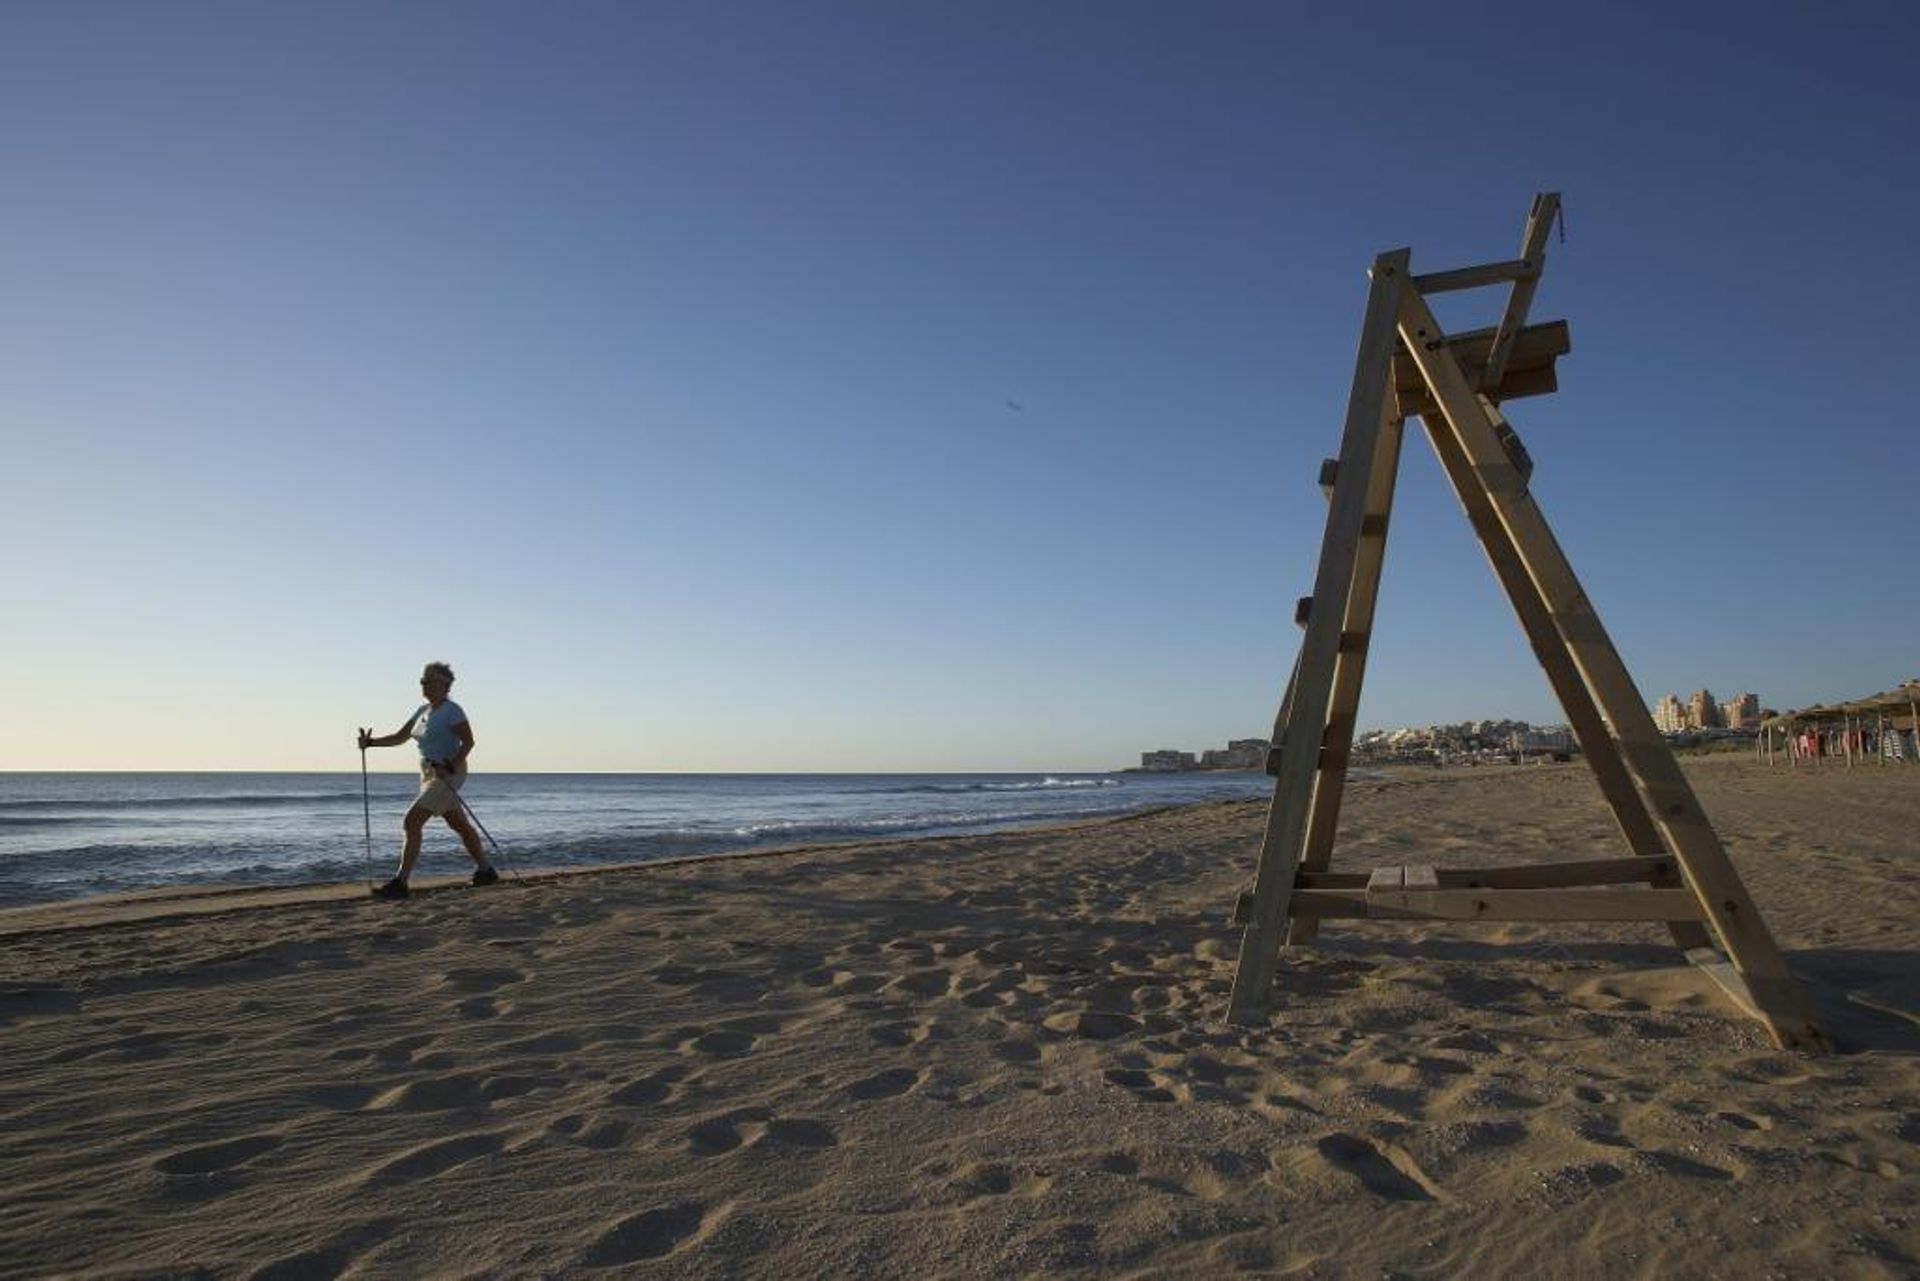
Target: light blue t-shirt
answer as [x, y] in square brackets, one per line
[433, 730]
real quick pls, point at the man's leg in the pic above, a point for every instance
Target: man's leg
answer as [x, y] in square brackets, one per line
[414, 824]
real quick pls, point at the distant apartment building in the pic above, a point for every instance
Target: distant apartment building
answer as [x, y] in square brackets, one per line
[1742, 711]
[1702, 711]
[1669, 716]
[1239, 753]
[1167, 760]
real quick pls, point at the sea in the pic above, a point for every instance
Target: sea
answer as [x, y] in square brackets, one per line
[65, 836]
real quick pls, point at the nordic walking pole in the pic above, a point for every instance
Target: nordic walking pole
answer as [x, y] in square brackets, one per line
[366, 809]
[498, 852]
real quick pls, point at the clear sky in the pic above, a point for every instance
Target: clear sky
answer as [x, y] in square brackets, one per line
[826, 386]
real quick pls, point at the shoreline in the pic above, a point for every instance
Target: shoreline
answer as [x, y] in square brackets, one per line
[213, 897]
[985, 1055]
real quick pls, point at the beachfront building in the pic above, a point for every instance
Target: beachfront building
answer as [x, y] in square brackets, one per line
[1742, 711]
[1239, 753]
[1166, 761]
[1669, 716]
[1702, 711]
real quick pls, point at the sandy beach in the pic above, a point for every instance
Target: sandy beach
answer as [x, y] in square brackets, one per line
[985, 1056]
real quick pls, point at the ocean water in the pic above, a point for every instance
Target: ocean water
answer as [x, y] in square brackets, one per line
[71, 835]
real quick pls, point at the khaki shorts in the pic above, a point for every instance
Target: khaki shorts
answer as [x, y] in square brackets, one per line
[440, 795]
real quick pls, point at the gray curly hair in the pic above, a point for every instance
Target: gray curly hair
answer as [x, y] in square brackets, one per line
[437, 671]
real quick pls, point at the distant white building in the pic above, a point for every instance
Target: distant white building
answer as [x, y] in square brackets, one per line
[1670, 714]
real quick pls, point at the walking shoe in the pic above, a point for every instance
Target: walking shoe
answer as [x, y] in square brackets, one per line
[485, 875]
[394, 889]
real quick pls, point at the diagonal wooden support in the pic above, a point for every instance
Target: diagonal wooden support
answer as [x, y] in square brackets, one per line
[1533, 250]
[1301, 738]
[1476, 427]
[1597, 744]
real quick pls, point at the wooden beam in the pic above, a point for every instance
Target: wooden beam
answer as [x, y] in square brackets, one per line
[1533, 248]
[1493, 273]
[1475, 425]
[1498, 905]
[1658, 872]
[1313, 687]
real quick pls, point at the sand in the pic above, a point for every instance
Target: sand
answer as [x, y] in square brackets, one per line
[990, 1056]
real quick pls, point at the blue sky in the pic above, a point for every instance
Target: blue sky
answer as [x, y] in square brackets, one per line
[652, 363]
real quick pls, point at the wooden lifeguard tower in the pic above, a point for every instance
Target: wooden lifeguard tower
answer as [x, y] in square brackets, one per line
[1678, 872]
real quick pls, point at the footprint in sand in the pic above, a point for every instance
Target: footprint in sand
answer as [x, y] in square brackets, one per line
[1382, 1170]
[730, 1040]
[651, 1234]
[886, 1085]
[343, 1096]
[758, 1128]
[723, 1044]
[1145, 1086]
[653, 1088]
[482, 1007]
[432, 1159]
[588, 1133]
[1094, 1025]
[1017, 1050]
[334, 1259]
[922, 983]
[1685, 1167]
[210, 1157]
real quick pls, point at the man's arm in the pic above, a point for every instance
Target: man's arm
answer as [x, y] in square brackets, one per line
[464, 732]
[394, 739]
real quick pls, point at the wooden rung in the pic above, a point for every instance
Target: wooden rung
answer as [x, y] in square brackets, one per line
[1520, 876]
[1493, 273]
[1497, 905]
